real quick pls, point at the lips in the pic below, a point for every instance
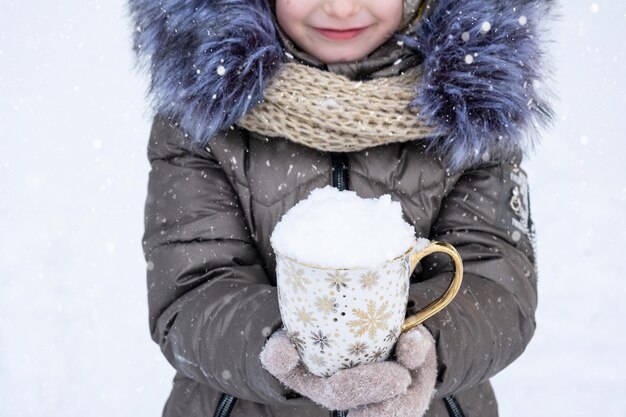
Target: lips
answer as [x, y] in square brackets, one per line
[338, 35]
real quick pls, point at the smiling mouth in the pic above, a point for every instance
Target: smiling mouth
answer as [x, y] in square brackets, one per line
[340, 35]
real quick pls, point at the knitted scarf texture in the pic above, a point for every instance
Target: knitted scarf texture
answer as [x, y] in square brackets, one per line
[330, 112]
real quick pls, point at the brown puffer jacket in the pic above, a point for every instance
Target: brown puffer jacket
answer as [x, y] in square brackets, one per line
[211, 278]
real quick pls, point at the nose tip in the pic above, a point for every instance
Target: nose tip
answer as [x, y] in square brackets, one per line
[341, 8]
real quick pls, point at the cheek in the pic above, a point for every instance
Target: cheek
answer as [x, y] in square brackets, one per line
[290, 13]
[389, 11]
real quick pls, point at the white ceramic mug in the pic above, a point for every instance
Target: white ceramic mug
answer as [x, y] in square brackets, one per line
[338, 318]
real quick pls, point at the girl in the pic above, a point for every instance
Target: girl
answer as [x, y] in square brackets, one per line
[259, 102]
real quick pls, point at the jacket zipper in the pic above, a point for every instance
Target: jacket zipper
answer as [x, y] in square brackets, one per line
[339, 178]
[453, 407]
[225, 406]
[339, 171]
[340, 166]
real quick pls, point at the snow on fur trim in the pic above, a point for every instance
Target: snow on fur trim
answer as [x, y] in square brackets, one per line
[484, 77]
[210, 60]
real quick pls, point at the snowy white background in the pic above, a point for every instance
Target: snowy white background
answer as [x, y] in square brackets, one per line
[74, 126]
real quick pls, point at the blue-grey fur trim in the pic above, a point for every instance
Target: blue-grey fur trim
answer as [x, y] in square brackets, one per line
[209, 61]
[485, 77]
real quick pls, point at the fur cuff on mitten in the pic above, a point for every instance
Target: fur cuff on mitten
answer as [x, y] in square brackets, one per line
[415, 350]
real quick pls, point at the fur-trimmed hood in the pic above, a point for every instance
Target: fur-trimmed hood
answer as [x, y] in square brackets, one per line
[485, 79]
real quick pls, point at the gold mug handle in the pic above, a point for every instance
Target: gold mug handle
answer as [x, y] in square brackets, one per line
[437, 305]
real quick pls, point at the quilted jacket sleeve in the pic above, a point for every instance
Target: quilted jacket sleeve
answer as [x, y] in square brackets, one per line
[492, 319]
[210, 303]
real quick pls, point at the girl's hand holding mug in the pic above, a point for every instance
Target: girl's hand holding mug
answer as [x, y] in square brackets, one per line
[416, 351]
[383, 389]
[344, 308]
[345, 389]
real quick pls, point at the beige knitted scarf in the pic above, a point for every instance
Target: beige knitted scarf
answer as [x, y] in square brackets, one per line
[329, 112]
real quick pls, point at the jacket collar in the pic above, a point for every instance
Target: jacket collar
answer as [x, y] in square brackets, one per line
[484, 68]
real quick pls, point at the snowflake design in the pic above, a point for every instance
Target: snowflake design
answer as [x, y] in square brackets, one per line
[357, 348]
[370, 321]
[320, 339]
[297, 340]
[379, 353]
[398, 293]
[369, 280]
[305, 317]
[326, 304]
[403, 267]
[318, 360]
[295, 277]
[338, 280]
[349, 365]
[391, 336]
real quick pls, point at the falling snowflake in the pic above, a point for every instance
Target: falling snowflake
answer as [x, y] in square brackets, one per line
[326, 304]
[369, 280]
[295, 277]
[370, 321]
[338, 280]
[320, 339]
[357, 348]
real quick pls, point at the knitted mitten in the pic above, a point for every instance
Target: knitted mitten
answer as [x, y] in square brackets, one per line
[345, 389]
[415, 350]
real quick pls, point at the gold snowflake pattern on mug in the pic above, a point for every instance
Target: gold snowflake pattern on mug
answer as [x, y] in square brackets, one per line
[295, 277]
[326, 304]
[403, 267]
[305, 317]
[350, 364]
[370, 321]
[321, 340]
[297, 340]
[318, 360]
[338, 280]
[392, 334]
[369, 280]
[377, 354]
[402, 288]
[357, 348]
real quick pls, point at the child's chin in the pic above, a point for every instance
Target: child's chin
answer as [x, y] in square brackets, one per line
[330, 57]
